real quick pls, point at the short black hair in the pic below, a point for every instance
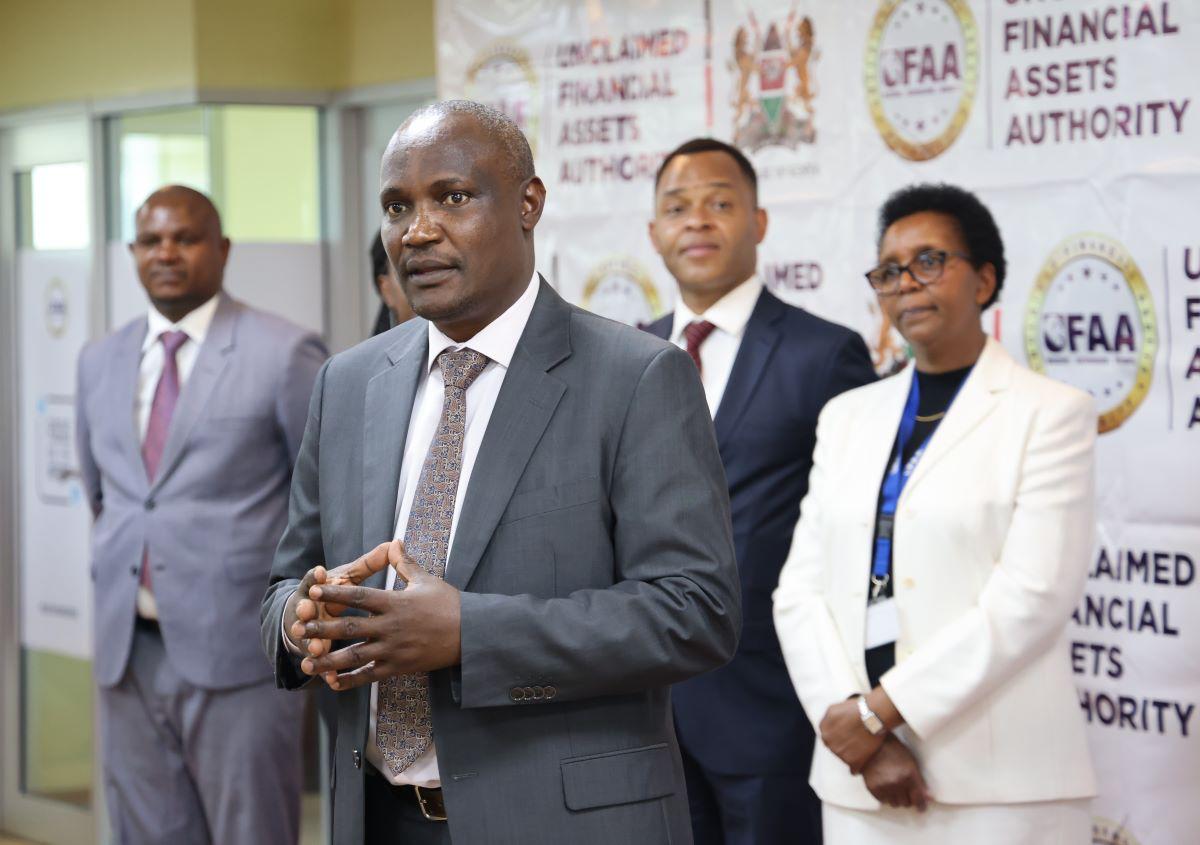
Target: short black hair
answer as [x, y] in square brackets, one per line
[502, 128]
[975, 222]
[176, 193]
[379, 260]
[379, 267]
[711, 145]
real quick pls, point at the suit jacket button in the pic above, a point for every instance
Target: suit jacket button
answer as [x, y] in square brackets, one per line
[550, 692]
[133, 570]
[516, 694]
[150, 504]
[538, 693]
[357, 759]
[528, 693]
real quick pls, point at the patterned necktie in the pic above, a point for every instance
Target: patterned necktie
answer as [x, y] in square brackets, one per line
[404, 727]
[166, 394]
[695, 333]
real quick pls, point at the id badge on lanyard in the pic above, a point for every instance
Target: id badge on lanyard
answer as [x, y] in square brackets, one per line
[883, 620]
[883, 623]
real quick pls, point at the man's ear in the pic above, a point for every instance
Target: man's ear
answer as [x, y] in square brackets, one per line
[533, 202]
[760, 221]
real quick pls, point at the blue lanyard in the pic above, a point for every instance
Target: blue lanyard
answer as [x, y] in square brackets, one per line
[893, 486]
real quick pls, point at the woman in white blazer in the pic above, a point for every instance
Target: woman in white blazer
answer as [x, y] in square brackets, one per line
[922, 609]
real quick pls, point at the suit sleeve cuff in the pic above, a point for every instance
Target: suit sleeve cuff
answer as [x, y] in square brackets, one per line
[291, 647]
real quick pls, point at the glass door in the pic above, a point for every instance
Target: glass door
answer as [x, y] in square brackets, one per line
[48, 760]
[260, 166]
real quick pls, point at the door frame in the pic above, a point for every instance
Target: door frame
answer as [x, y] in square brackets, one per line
[21, 813]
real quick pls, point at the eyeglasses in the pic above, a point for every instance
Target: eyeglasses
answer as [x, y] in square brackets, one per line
[926, 268]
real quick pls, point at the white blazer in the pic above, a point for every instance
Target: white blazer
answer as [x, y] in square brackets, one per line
[993, 536]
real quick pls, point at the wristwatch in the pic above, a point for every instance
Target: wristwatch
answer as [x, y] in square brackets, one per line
[871, 722]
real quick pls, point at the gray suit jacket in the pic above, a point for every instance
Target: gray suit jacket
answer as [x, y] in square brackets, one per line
[213, 516]
[595, 554]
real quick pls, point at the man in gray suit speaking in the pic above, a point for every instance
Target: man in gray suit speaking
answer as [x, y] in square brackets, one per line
[546, 488]
[189, 420]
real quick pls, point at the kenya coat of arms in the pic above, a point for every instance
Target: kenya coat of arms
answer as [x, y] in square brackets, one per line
[774, 92]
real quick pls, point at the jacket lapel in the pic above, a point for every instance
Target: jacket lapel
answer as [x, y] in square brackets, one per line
[871, 433]
[874, 447]
[213, 358]
[757, 346]
[976, 399]
[388, 408]
[661, 327]
[523, 409]
[125, 367]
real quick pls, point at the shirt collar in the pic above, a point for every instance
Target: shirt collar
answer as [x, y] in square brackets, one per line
[498, 339]
[195, 323]
[730, 313]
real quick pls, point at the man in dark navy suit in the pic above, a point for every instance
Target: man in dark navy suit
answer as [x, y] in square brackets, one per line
[768, 368]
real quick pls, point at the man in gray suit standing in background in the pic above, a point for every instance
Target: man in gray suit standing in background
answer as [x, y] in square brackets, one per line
[189, 420]
[543, 486]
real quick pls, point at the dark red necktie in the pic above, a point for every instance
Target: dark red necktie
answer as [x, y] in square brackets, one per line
[166, 394]
[695, 333]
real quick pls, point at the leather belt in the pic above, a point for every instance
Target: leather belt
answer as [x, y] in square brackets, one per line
[428, 798]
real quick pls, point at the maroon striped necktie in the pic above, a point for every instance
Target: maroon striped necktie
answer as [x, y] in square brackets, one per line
[695, 333]
[166, 394]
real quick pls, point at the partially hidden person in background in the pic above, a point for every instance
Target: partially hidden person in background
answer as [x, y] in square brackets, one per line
[923, 619]
[528, 506]
[189, 421]
[393, 304]
[768, 368]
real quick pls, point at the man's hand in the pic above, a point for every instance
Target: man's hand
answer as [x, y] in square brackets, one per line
[894, 777]
[845, 735]
[416, 629]
[300, 607]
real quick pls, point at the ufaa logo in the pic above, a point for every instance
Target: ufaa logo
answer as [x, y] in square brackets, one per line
[620, 288]
[57, 311]
[922, 70]
[502, 76]
[1090, 322]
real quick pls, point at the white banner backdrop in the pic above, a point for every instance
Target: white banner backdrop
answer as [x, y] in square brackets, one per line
[1076, 123]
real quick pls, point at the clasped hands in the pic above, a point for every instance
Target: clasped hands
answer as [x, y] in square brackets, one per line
[889, 769]
[415, 629]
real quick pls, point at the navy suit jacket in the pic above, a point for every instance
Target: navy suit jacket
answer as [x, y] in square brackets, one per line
[744, 718]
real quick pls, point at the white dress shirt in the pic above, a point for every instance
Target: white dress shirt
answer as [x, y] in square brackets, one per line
[729, 314]
[195, 325]
[498, 341]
